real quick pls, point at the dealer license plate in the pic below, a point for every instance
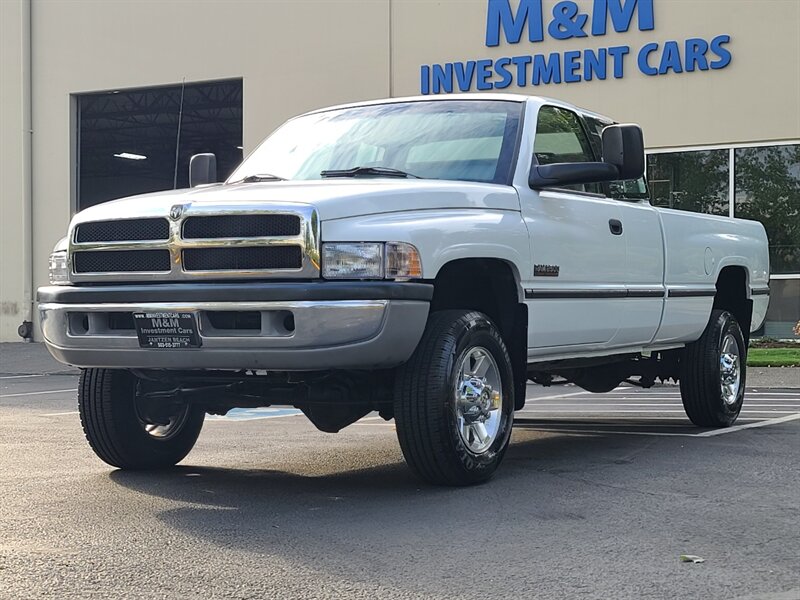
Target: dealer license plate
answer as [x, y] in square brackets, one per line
[167, 329]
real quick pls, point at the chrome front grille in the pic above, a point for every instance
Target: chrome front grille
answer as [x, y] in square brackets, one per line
[124, 230]
[242, 259]
[240, 226]
[222, 241]
[121, 261]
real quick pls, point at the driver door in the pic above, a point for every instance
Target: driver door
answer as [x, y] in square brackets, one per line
[575, 290]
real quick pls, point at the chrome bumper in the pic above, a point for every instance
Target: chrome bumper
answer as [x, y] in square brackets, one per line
[332, 334]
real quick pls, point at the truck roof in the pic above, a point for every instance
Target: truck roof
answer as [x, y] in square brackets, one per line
[462, 96]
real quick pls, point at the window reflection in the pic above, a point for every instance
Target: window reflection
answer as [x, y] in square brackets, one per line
[767, 184]
[697, 181]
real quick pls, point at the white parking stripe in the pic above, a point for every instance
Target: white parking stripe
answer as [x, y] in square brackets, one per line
[735, 428]
[535, 399]
[655, 404]
[20, 376]
[61, 414]
[224, 419]
[37, 393]
[612, 431]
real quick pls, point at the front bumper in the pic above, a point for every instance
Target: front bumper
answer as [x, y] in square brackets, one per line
[337, 325]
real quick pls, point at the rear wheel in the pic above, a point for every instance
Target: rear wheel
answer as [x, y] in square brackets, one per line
[128, 432]
[454, 400]
[713, 371]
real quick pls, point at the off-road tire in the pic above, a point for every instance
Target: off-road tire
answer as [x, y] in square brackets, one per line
[106, 403]
[424, 400]
[700, 374]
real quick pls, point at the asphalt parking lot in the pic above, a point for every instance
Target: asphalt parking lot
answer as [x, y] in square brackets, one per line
[597, 498]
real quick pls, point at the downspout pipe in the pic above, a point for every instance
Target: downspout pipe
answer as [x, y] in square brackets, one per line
[26, 328]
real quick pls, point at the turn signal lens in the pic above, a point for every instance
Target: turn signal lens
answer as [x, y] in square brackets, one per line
[402, 261]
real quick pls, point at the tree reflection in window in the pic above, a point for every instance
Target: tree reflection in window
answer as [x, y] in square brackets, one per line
[767, 184]
[697, 181]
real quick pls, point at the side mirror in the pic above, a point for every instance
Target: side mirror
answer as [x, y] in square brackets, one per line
[623, 159]
[202, 169]
[623, 147]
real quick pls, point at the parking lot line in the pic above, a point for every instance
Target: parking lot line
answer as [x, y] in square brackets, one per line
[38, 393]
[20, 376]
[736, 428]
[655, 404]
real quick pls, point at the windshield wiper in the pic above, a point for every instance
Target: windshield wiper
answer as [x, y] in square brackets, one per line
[356, 171]
[260, 177]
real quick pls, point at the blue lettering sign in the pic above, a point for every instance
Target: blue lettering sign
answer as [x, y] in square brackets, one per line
[505, 74]
[500, 16]
[621, 13]
[723, 53]
[644, 55]
[595, 64]
[567, 22]
[695, 56]
[568, 65]
[546, 69]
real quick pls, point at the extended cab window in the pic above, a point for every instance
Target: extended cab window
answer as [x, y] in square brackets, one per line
[632, 189]
[560, 138]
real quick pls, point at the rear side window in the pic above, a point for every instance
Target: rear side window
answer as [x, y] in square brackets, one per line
[560, 138]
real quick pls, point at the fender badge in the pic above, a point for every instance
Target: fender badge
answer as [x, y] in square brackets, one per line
[176, 211]
[546, 270]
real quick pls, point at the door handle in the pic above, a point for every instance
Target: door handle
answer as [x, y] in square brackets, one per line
[615, 226]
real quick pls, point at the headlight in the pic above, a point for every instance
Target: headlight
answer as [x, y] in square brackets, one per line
[352, 261]
[370, 260]
[59, 274]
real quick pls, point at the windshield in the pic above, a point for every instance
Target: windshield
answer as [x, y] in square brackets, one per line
[470, 140]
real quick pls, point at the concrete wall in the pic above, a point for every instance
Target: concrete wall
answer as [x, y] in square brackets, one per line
[12, 143]
[295, 55]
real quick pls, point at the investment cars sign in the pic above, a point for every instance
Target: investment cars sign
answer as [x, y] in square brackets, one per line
[528, 19]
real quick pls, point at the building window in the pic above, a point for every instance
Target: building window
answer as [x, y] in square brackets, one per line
[784, 309]
[128, 140]
[697, 181]
[767, 185]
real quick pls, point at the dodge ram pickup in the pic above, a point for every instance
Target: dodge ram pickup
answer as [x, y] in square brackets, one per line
[424, 258]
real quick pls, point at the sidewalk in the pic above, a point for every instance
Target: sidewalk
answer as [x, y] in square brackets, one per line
[32, 359]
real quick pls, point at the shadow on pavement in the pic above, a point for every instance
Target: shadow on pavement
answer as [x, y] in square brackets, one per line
[557, 500]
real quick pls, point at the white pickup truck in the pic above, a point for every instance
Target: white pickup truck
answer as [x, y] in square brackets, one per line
[424, 258]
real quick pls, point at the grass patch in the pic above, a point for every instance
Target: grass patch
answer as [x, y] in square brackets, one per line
[773, 357]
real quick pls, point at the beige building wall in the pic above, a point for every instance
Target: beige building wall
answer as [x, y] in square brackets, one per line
[294, 55]
[12, 172]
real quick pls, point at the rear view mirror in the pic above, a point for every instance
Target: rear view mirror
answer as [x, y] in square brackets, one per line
[202, 169]
[623, 147]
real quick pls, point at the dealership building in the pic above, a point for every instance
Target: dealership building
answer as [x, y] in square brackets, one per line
[101, 99]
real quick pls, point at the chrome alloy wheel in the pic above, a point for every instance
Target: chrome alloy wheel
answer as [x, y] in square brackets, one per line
[479, 398]
[730, 373]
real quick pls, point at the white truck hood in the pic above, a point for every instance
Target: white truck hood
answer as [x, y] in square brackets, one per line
[333, 199]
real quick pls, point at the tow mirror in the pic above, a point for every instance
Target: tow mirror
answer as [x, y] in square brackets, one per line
[202, 169]
[623, 147]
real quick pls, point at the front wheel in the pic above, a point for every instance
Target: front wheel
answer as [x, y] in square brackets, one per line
[128, 432]
[713, 371]
[454, 400]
